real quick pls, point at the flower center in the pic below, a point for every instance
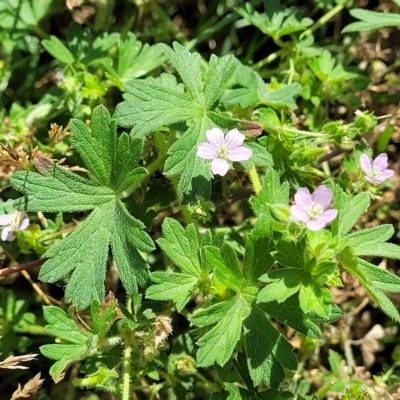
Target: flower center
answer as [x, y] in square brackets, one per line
[375, 172]
[222, 150]
[314, 211]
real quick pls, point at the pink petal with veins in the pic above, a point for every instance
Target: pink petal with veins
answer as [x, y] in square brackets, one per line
[239, 154]
[219, 166]
[215, 136]
[234, 138]
[303, 198]
[206, 150]
[322, 196]
[366, 163]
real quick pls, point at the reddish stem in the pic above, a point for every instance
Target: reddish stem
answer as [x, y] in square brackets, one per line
[21, 267]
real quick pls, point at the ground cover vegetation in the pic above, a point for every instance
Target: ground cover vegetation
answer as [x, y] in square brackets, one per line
[199, 200]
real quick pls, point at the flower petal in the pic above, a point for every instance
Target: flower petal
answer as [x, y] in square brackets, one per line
[240, 153]
[387, 173]
[374, 181]
[24, 224]
[234, 138]
[215, 136]
[381, 162]
[206, 150]
[219, 166]
[303, 199]
[366, 163]
[315, 225]
[5, 219]
[297, 214]
[322, 196]
[328, 216]
[6, 236]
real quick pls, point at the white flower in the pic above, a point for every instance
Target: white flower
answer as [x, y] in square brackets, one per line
[17, 221]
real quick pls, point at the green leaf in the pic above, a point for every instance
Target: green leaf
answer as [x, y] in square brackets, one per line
[268, 352]
[148, 107]
[136, 59]
[350, 209]
[260, 157]
[124, 173]
[65, 354]
[315, 298]
[282, 97]
[181, 246]
[275, 21]
[188, 66]
[152, 104]
[255, 92]
[367, 237]
[104, 315]
[282, 284]
[226, 266]
[84, 252]
[384, 302]
[97, 147]
[58, 50]
[107, 223]
[172, 286]
[350, 262]
[59, 191]
[217, 345]
[380, 278]
[196, 175]
[289, 253]
[219, 73]
[371, 20]
[62, 327]
[291, 314]
[259, 245]
[272, 193]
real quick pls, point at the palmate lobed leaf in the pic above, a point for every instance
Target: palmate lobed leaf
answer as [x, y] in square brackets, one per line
[86, 249]
[62, 327]
[84, 252]
[218, 344]
[268, 352]
[371, 20]
[155, 103]
[182, 246]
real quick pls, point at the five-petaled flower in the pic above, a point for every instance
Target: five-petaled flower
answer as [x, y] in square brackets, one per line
[313, 209]
[13, 222]
[376, 171]
[222, 149]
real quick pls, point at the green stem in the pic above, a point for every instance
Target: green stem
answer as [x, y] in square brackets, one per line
[273, 56]
[304, 133]
[185, 211]
[255, 180]
[323, 20]
[208, 384]
[279, 42]
[127, 358]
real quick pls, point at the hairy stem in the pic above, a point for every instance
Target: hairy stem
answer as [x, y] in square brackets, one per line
[255, 180]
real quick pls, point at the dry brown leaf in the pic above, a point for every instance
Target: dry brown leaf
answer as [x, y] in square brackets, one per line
[13, 361]
[30, 387]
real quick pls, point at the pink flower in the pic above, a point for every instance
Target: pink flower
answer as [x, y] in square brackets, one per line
[376, 171]
[313, 209]
[222, 149]
[13, 222]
